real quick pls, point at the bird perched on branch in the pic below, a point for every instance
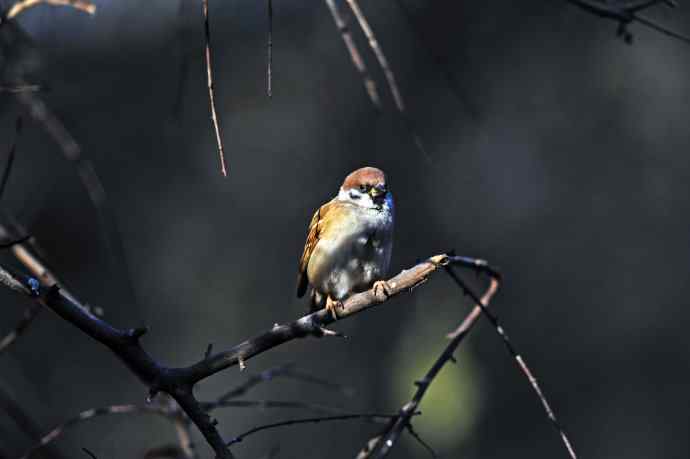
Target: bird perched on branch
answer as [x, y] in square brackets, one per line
[349, 243]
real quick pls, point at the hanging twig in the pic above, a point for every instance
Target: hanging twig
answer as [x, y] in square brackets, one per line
[390, 76]
[355, 56]
[269, 57]
[439, 63]
[209, 81]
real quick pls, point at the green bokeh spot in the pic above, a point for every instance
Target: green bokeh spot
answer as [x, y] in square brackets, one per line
[452, 404]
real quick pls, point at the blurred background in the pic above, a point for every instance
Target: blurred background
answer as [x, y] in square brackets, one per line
[556, 151]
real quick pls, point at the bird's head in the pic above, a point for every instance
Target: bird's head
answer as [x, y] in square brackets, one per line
[365, 187]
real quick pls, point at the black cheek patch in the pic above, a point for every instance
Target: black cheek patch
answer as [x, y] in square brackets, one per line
[354, 195]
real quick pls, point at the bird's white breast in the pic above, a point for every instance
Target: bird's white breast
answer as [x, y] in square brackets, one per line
[351, 257]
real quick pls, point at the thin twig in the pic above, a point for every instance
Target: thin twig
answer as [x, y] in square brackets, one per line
[627, 12]
[209, 81]
[254, 380]
[421, 441]
[167, 412]
[23, 5]
[390, 76]
[72, 152]
[341, 417]
[493, 318]
[282, 371]
[10, 157]
[30, 315]
[382, 444]
[315, 407]
[269, 57]
[355, 56]
[441, 66]
[23, 421]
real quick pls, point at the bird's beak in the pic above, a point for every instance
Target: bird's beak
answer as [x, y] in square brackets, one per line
[377, 191]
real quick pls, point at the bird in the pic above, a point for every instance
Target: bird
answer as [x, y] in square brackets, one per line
[349, 243]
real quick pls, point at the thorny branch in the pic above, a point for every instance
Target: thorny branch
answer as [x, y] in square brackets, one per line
[165, 407]
[381, 445]
[179, 382]
[493, 318]
[25, 253]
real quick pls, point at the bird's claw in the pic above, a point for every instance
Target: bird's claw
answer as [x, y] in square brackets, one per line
[332, 306]
[382, 290]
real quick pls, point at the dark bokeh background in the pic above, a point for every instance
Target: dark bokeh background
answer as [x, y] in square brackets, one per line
[557, 152]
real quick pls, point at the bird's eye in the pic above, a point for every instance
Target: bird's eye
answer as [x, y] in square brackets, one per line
[363, 188]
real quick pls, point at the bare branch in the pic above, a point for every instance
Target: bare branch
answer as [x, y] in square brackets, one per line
[71, 150]
[378, 52]
[282, 371]
[315, 407]
[30, 314]
[627, 12]
[310, 325]
[390, 76]
[209, 81]
[23, 421]
[382, 444]
[493, 318]
[23, 5]
[341, 417]
[90, 414]
[440, 64]
[179, 382]
[357, 61]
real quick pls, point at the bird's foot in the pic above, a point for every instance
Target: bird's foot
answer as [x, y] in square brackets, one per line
[382, 290]
[332, 306]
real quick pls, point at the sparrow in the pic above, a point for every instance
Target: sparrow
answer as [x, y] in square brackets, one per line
[349, 242]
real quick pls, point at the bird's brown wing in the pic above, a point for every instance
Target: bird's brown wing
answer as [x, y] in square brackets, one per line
[312, 239]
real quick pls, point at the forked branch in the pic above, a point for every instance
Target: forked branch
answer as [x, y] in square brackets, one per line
[179, 382]
[382, 444]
